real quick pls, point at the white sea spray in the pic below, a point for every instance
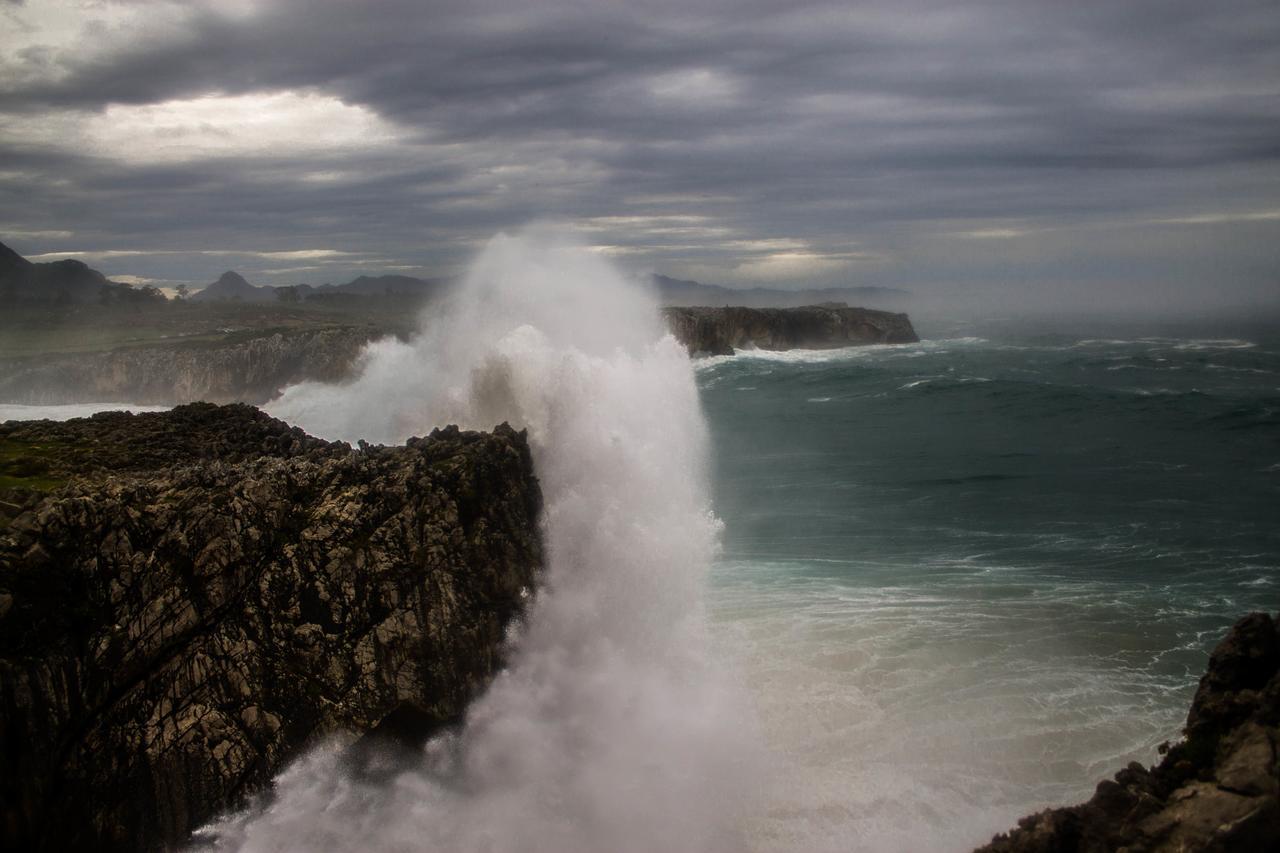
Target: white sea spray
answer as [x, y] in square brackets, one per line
[613, 728]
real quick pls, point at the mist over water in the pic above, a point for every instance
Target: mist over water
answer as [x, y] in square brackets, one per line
[612, 727]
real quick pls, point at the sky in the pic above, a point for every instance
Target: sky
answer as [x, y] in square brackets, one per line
[1063, 150]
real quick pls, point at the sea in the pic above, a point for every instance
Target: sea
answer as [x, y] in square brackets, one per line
[882, 598]
[969, 578]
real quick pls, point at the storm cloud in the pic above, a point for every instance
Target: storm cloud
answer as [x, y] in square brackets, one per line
[1043, 146]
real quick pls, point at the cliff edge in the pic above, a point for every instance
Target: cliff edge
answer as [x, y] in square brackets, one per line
[189, 598]
[1218, 790]
[250, 367]
[722, 331]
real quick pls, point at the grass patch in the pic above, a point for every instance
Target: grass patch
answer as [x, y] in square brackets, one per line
[32, 484]
[34, 466]
[71, 339]
[32, 333]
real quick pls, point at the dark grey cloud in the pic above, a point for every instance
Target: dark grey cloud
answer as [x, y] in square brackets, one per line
[918, 143]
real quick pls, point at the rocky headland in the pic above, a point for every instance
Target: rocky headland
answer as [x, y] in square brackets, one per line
[1217, 790]
[250, 367]
[254, 365]
[189, 598]
[722, 331]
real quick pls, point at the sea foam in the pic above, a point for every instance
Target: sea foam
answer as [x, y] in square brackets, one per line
[612, 728]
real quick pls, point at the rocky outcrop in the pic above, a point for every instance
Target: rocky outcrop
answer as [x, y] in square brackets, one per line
[247, 369]
[721, 331]
[189, 598]
[1217, 790]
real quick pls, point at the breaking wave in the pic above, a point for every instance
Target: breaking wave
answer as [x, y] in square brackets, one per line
[613, 727]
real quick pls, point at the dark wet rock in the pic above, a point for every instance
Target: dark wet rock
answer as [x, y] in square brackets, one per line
[1217, 790]
[249, 369]
[722, 331]
[204, 592]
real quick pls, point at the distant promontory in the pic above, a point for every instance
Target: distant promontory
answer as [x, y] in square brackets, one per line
[722, 331]
[70, 335]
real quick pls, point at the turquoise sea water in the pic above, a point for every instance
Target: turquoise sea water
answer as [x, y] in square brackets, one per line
[969, 578]
[966, 579]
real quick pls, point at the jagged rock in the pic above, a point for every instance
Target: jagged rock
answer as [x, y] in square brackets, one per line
[1218, 790]
[721, 331]
[209, 590]
[249, 370]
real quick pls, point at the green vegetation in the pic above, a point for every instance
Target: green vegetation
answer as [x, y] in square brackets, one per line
[33, 466]
[46, 329]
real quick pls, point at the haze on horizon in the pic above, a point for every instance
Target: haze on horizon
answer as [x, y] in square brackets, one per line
[1020, 151]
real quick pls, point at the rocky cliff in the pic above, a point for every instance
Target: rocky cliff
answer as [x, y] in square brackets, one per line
[248, 369]
[721, 331]
[189, 598]
[1217, 790]
[253, 366]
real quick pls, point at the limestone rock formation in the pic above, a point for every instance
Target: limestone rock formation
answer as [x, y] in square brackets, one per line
[189, 598]
[1218, 790]
[252, 369]
[721, 331]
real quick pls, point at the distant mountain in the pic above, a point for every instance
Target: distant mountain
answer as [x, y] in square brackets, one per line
[386, 285]
[377, 285]
[73, 281]
[681, 292]
[232, 287]
[12, 264]
[60, 281]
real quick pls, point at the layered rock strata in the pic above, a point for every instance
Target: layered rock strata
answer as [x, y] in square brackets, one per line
[722, 331]
[1217, 790]
[250, 369]
[189, 598]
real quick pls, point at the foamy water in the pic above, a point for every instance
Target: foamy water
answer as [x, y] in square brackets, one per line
[961, 580]
[614, 727]
[969, 578]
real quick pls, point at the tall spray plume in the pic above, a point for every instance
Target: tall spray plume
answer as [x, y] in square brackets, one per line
[612, 728]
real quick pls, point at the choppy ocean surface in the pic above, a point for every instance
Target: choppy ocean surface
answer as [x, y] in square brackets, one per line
[969, 578]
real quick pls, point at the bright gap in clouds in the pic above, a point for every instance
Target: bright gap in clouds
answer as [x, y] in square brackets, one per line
[278, 123]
